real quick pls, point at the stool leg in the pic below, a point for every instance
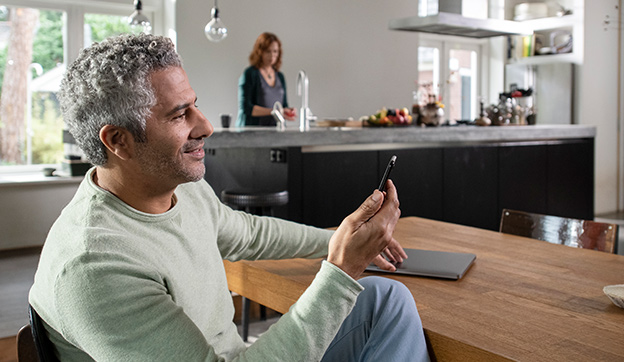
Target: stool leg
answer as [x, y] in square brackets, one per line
[262, 312]
[245, 318]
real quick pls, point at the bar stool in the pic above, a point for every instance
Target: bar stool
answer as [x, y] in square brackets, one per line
[259, 203]
[255, 202]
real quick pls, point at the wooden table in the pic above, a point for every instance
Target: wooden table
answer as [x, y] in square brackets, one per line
[523, 299]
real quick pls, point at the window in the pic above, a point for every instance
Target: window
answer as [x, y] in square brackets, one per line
[447, 72]
[31, 50]
[100, 26]
[35, 45]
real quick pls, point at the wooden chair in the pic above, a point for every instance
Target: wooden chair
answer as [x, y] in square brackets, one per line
[576, 233]
[26, 350]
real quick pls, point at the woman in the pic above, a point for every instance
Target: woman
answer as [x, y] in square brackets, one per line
[262, 84]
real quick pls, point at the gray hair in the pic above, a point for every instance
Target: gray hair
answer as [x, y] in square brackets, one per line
[109, 84]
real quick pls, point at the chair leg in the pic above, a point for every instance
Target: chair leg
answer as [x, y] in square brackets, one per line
[245, 318]
[262, 312]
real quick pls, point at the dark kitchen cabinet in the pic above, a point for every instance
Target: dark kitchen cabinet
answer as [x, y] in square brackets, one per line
[571, 179]
[328, 186]
[523, 178]
[418, 178]
[470, 186]
[246, 169]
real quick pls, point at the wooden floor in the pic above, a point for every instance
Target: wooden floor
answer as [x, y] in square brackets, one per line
[8, 349]
[17, 269]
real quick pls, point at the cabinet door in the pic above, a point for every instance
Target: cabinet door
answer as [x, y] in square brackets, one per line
[470, 186]
[418, 178]
[523, 178]
[334, 184]
[571, 179]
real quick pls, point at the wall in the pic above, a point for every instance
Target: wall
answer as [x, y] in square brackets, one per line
[354, 63]
[27, 211]
[599, 99]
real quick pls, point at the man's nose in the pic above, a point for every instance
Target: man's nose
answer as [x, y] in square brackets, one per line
[203, 127]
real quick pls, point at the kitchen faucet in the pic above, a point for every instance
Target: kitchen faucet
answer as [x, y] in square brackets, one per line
[305, 115]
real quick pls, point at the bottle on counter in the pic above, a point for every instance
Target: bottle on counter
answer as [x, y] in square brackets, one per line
[483, 119]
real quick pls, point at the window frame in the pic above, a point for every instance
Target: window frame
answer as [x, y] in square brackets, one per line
[445, 44]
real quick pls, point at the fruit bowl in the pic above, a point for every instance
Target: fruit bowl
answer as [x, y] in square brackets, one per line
[615, 293]
[388, 117]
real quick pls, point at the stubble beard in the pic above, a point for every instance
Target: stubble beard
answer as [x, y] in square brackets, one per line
[163, 166]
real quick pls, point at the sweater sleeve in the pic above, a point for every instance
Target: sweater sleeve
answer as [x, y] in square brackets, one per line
[305, 332]
[115, 309]
[251, 237]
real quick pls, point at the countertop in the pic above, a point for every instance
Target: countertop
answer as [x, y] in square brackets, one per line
[410, 136]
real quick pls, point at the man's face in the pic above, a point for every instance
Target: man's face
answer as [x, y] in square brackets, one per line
[174, 151]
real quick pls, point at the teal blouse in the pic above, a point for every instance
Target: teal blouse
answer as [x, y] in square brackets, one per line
[248, 94]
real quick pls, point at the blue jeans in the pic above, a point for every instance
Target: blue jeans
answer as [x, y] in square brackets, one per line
[384, 325]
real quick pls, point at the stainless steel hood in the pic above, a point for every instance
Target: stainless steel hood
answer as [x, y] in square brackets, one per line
[458, 25]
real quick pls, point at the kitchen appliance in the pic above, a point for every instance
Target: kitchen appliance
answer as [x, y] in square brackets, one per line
[553, 89]
[458, 17]
[278, 115]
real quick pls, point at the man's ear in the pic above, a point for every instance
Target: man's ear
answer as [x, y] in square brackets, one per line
[119, 141]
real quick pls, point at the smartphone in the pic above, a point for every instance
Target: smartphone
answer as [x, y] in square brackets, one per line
[382, 184]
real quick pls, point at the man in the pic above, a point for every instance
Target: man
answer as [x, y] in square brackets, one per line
[132, 269]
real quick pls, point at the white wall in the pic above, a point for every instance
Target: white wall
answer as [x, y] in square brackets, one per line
[599, 101]
[27, 211]
[354, 63]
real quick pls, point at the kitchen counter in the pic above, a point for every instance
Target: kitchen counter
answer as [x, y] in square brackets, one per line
[454, 135]
[460, 174]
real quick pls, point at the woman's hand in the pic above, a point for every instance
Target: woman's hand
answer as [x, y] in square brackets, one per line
[290, 114]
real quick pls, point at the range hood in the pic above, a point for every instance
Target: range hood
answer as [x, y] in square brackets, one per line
[451, 20]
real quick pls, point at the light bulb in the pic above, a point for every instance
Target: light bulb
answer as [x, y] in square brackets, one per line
[215, 30]
[138, 19]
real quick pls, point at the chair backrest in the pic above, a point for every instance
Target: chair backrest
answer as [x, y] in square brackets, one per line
[44, 347]
[26, 350]
[578, 233]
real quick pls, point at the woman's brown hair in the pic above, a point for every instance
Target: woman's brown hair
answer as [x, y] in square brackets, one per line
[263, 43]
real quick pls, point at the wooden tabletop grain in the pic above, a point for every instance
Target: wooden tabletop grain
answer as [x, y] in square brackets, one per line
[523, 299]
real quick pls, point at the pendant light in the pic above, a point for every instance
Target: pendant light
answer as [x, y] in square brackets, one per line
[215, 30]
[138, 19]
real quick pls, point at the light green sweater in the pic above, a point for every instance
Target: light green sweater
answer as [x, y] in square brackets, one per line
[117, 284]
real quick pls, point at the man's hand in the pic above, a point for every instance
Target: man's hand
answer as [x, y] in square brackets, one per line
[394, 254]
[367, 232]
